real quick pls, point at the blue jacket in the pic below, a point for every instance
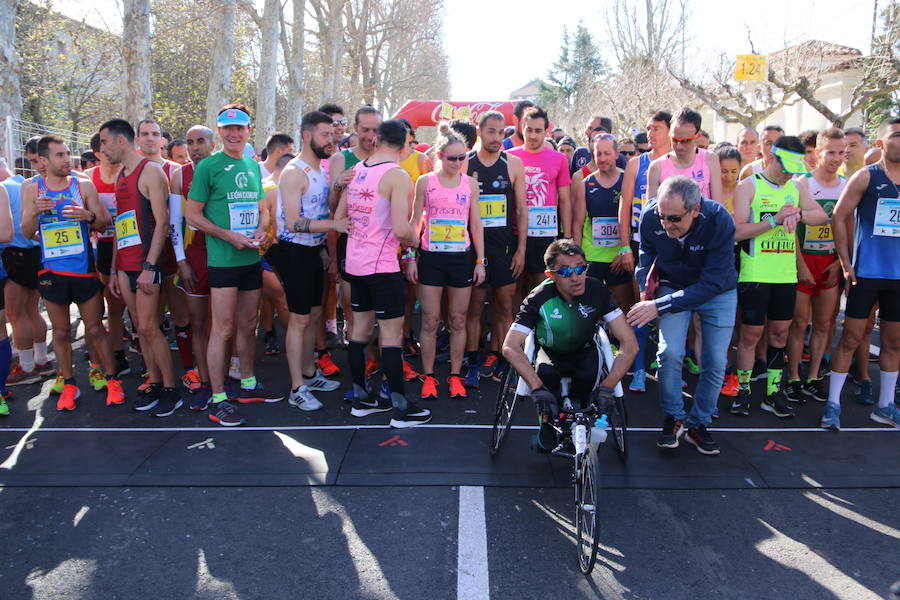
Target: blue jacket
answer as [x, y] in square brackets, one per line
[699, 267]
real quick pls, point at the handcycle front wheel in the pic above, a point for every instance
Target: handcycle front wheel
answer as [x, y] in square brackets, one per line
[506, 406]
[587, 498]
[618, 422]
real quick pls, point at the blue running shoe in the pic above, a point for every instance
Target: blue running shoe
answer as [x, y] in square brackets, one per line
[500, 370]
[201, 398]
[832, 417]
[864, 395]
[888, 415]
[638, 382]
[473, 376]
[384, 392]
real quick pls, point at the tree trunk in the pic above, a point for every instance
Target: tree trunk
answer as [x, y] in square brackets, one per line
[335, 51]
[10, 67]
[268, 72]
[294, 57]
[219, 90]
[136, 51]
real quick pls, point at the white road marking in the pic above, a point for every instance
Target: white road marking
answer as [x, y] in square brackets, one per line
[427, 426]
[472, 579]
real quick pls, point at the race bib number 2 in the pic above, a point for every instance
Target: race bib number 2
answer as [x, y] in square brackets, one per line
[244, 217]
[542, 221]
[62, 239]
[887, 217]
[446, 235]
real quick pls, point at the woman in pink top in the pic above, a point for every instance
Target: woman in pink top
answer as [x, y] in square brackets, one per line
[451, 256]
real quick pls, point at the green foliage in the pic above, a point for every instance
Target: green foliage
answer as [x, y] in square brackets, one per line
[579, 67]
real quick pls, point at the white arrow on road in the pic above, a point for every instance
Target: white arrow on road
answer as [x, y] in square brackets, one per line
[29, 444]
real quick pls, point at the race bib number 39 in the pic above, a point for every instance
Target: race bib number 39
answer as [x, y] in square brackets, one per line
[542, 221]
[492, 208]
[887, 217]
[244, 217]
[126, 230]
[446, 235]
[605, 231]
[62, 239]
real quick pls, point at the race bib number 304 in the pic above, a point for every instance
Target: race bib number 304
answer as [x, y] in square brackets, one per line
[492, 208]
[446, 235]
[542, 221]
[605, 231]
[887, 217]
[244, 217]
[62, 239]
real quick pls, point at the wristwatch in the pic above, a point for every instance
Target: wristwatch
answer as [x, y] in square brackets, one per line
[93, 217]
[481, 261]
[148, 266]
[772, 223]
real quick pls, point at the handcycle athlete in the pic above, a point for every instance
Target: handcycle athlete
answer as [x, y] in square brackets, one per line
[563, 312]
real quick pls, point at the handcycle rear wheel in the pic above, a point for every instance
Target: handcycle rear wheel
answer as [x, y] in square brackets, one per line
[587, 497]
[506, 405]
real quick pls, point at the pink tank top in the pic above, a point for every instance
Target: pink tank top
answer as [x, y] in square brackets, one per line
[446, 215]
[699, 171]
[371, 245]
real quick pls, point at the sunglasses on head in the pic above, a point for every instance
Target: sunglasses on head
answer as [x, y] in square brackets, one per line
[569, 271]
[455, 158]
[672, 218]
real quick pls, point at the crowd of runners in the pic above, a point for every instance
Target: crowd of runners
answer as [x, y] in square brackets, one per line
[357, 225]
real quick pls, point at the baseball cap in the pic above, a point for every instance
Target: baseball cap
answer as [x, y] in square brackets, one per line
[791, 162]
[233, 116]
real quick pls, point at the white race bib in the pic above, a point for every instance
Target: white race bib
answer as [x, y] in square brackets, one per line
[887, 217]
[542, 221]
[244, 217]
[605, 231]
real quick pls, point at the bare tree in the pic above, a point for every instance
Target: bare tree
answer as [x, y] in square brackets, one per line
[294, 58]
[651, 36]
[138, 99]
[268, 71]
[10, 67]
[222, 60]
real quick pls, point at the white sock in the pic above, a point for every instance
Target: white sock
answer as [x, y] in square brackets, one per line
[26, 359]
[886, 390]
[40, 352]
[835, 385]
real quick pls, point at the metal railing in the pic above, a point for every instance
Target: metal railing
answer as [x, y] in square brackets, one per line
[19, 131]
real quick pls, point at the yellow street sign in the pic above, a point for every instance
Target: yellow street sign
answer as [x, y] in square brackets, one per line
[750, 67]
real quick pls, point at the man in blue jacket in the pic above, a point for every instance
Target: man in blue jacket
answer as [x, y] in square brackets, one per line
[687, 245]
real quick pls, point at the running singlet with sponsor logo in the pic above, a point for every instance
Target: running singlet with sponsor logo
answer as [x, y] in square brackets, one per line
[878, 228]
[545, 172]
[371, 245]
[819, 239]
[561, 326]
[135, 223]
[231, 190]
[313, 205]
[64, 244]
[640, 195]
[770, 256]
[446, 226]
[600, 230]
[698, 171]
[107, 194]
[496, 200]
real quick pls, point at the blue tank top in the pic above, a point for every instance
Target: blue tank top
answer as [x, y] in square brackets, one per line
[64, 244]
[877, 241]
[640, 190]
[14, 191]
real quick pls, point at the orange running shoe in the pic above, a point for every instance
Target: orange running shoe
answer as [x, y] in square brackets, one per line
[457, 387]
[429, 387]
[730, 388]
[327, 366]
[409, 373]
[67, 398]
[490, 363]
[191, 380]
[371, 368]
[144, 386]
[114, 393]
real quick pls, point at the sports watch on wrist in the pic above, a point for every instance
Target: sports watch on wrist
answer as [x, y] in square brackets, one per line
[148, 266]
